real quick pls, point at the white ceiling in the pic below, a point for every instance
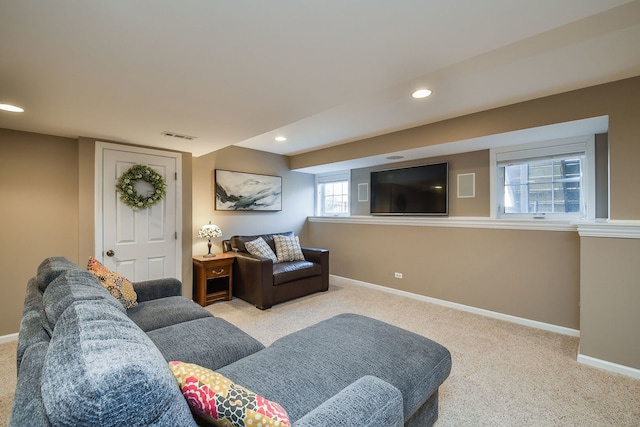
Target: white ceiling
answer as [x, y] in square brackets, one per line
[320, 73]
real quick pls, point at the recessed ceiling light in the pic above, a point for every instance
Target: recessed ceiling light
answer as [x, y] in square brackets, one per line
[12, 108]
[421, 93]
[281, 138]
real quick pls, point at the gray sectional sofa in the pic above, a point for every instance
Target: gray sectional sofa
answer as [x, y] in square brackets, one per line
[83, 360]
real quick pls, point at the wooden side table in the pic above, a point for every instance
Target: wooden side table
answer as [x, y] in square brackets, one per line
[213, 278]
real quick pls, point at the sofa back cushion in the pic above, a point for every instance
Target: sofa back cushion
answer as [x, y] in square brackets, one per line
[51, 268]
[102, 370]
[72, 286]
[238, 242]
[34, 326]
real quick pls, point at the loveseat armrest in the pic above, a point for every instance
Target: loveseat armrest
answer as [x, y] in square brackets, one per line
[315, 254]
[319, 256]
[253, 279]
[368, 401]
[157, 288]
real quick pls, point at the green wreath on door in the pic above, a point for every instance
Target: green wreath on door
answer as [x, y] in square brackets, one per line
[128, 194]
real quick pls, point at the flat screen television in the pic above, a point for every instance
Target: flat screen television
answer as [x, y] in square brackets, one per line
[417, 190]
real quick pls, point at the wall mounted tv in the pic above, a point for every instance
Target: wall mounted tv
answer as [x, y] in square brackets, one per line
[417, 190]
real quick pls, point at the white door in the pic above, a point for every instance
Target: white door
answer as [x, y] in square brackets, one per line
[139, 244]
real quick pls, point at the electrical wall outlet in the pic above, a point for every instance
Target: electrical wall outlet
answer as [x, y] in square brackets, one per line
[397, 275]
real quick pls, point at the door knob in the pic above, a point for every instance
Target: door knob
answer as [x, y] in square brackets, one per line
[110, 252]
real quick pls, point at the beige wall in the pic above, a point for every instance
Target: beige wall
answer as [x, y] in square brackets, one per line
[38, 212]
[47, 187]
[610, 300]
[619, 100]
[528, 274]
[297, 196]
[484, 268]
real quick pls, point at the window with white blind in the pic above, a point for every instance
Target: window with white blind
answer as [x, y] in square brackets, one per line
[549, 179]
[332, 194]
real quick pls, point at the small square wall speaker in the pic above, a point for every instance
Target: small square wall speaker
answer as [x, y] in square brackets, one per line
[466, 185]
[363, 192]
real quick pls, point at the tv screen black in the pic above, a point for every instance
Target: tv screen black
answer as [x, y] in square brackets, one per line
[418, 190]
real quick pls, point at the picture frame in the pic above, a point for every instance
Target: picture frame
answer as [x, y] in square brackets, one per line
[243, 191]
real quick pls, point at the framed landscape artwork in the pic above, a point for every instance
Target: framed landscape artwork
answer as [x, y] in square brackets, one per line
[241, 191]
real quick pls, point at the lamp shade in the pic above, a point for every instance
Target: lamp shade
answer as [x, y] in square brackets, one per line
[209, 230]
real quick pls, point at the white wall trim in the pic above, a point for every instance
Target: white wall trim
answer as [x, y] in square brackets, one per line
[609, 366]
[8, 338]
[613, 229]
[453, 222]
[338, 280]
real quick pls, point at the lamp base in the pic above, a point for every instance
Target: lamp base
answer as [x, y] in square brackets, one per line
[209, 255]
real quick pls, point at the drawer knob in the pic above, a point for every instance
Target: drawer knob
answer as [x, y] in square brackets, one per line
[217, 272]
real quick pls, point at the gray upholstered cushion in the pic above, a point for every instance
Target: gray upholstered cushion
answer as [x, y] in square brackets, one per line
[102, 370]
[210, 342]
[367, 402]
[51, 268]
[155, 314]
[28, 409]
[34, 327]
[71, 286]
[157, 288]
[300, 372]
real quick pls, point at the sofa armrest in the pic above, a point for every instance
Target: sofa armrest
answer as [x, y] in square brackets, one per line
[368, 401]
[157, 288]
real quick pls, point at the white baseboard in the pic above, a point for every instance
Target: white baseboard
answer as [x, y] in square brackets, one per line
[8, 338]
[587, 360]
[609, 366]
[493, 314]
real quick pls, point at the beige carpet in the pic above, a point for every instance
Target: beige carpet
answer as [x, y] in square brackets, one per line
[503, 374]
[7, 380]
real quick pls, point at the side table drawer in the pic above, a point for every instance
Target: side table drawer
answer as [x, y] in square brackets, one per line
[217, 271]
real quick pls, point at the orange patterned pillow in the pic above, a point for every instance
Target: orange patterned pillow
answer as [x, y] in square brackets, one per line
[218, 400]
[118, 285]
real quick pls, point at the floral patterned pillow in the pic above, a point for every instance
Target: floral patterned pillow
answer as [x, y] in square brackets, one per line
[118, 285]
[218, 400]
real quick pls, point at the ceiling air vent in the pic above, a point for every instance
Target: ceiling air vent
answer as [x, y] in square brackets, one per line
[179, 136]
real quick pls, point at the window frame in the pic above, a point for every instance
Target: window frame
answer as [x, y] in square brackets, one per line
[524, 153]
[332, 177]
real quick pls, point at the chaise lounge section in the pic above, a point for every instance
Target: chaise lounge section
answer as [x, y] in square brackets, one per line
[85, 360]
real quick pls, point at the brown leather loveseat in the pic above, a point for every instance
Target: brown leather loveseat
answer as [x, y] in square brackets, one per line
[263, 282]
